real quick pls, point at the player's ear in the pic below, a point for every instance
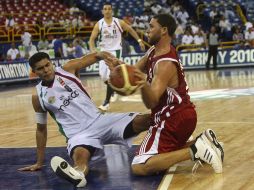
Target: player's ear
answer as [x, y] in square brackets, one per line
[164, 30]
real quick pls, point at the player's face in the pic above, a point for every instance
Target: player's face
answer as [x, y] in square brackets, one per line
[44, 69]
[154, 32]
[107, 11]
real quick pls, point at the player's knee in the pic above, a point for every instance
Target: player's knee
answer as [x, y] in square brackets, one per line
[141, 169]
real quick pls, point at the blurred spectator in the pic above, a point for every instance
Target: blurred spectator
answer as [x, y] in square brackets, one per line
[249, 37]
[43, 44]
[175, 7]
[238, 36]
[225, 28]
[74, 10]
[19, 58]
[224, 24]
[78, 49]
[199, 38]
[26, 39]
[58, 47]
[187, 38]
[248, 25]
[182, 15]
[12, 52]
[77, 22]
[9, 22]
[228, 13]
[70, 50]
[156, 8]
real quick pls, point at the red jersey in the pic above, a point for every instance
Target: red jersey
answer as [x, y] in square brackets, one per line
[173, 99]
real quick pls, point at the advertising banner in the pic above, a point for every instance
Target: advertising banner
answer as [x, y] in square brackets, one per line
[16, 71]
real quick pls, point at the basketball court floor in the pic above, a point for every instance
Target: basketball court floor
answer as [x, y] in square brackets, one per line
[224, 101]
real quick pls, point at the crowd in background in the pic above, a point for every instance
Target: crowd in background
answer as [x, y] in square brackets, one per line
[188, 32]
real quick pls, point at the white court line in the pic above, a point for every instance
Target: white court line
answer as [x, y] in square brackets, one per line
[226, 122]
[24, 95]
[165, 183]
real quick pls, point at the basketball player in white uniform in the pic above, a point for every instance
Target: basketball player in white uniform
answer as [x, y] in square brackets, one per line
[61, 94]
[110, 29]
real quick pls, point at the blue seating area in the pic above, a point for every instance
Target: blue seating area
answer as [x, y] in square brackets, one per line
[221, 6]
[121, 7]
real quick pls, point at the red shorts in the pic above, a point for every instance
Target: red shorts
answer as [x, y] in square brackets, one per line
[168, 135]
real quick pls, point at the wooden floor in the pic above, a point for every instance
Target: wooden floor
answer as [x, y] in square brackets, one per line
[224, 101]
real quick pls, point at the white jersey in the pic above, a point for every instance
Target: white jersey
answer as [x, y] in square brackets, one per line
[110, 35]
[68, 103]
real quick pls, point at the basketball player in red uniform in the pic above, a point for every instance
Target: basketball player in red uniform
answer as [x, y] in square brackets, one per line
[173, 115]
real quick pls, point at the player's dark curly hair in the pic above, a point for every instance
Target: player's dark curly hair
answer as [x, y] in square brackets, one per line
[166, 20]
[37, 57]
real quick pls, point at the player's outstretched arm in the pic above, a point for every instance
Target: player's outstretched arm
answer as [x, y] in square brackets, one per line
[126, 27]
[73, 66]
[41, 135]
[92, 38]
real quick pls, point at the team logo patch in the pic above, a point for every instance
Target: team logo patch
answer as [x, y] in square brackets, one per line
[51, 99]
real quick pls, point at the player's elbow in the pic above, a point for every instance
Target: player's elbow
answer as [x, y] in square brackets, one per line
[151, 104]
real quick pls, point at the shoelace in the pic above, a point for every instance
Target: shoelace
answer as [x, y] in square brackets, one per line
[195, 167]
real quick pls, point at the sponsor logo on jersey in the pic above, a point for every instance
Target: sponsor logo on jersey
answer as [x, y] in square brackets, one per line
[61, 81]
[66, 101]
[51, 99]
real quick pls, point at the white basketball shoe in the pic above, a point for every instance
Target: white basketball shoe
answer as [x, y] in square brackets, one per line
[65, 171]
[201, 150]
[210, 136]
[114, 97]
[104, 107]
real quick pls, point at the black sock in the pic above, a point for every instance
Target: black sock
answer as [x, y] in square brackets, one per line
[108, 94]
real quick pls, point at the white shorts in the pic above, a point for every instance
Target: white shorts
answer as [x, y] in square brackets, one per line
[107, 129]
[103, 68]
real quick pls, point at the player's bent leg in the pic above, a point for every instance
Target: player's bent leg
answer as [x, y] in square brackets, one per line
[81, 155]
[159, 162]
[141, 123]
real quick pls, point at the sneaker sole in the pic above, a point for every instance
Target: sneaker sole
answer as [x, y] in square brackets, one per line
[209, 133]
[59, 165]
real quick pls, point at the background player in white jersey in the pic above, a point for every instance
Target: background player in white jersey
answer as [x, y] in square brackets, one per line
[61, 93]
[110, 29]
[173, 116]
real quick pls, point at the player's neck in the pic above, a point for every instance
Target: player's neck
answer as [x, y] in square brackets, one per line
[108, 20]
[162, 47]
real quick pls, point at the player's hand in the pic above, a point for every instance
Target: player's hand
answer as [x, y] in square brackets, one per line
[33, 167]
[142, 46]
[102, 55]
[112, 62]
[142, 76]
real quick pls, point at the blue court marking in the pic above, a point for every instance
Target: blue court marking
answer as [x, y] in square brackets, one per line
[109, 173]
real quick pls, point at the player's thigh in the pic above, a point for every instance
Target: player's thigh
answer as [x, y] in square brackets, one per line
[103, 70]
[116, 124]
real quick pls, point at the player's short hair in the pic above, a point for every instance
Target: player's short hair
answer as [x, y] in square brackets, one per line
[37, 57]
[166, 20]
[107, 3]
